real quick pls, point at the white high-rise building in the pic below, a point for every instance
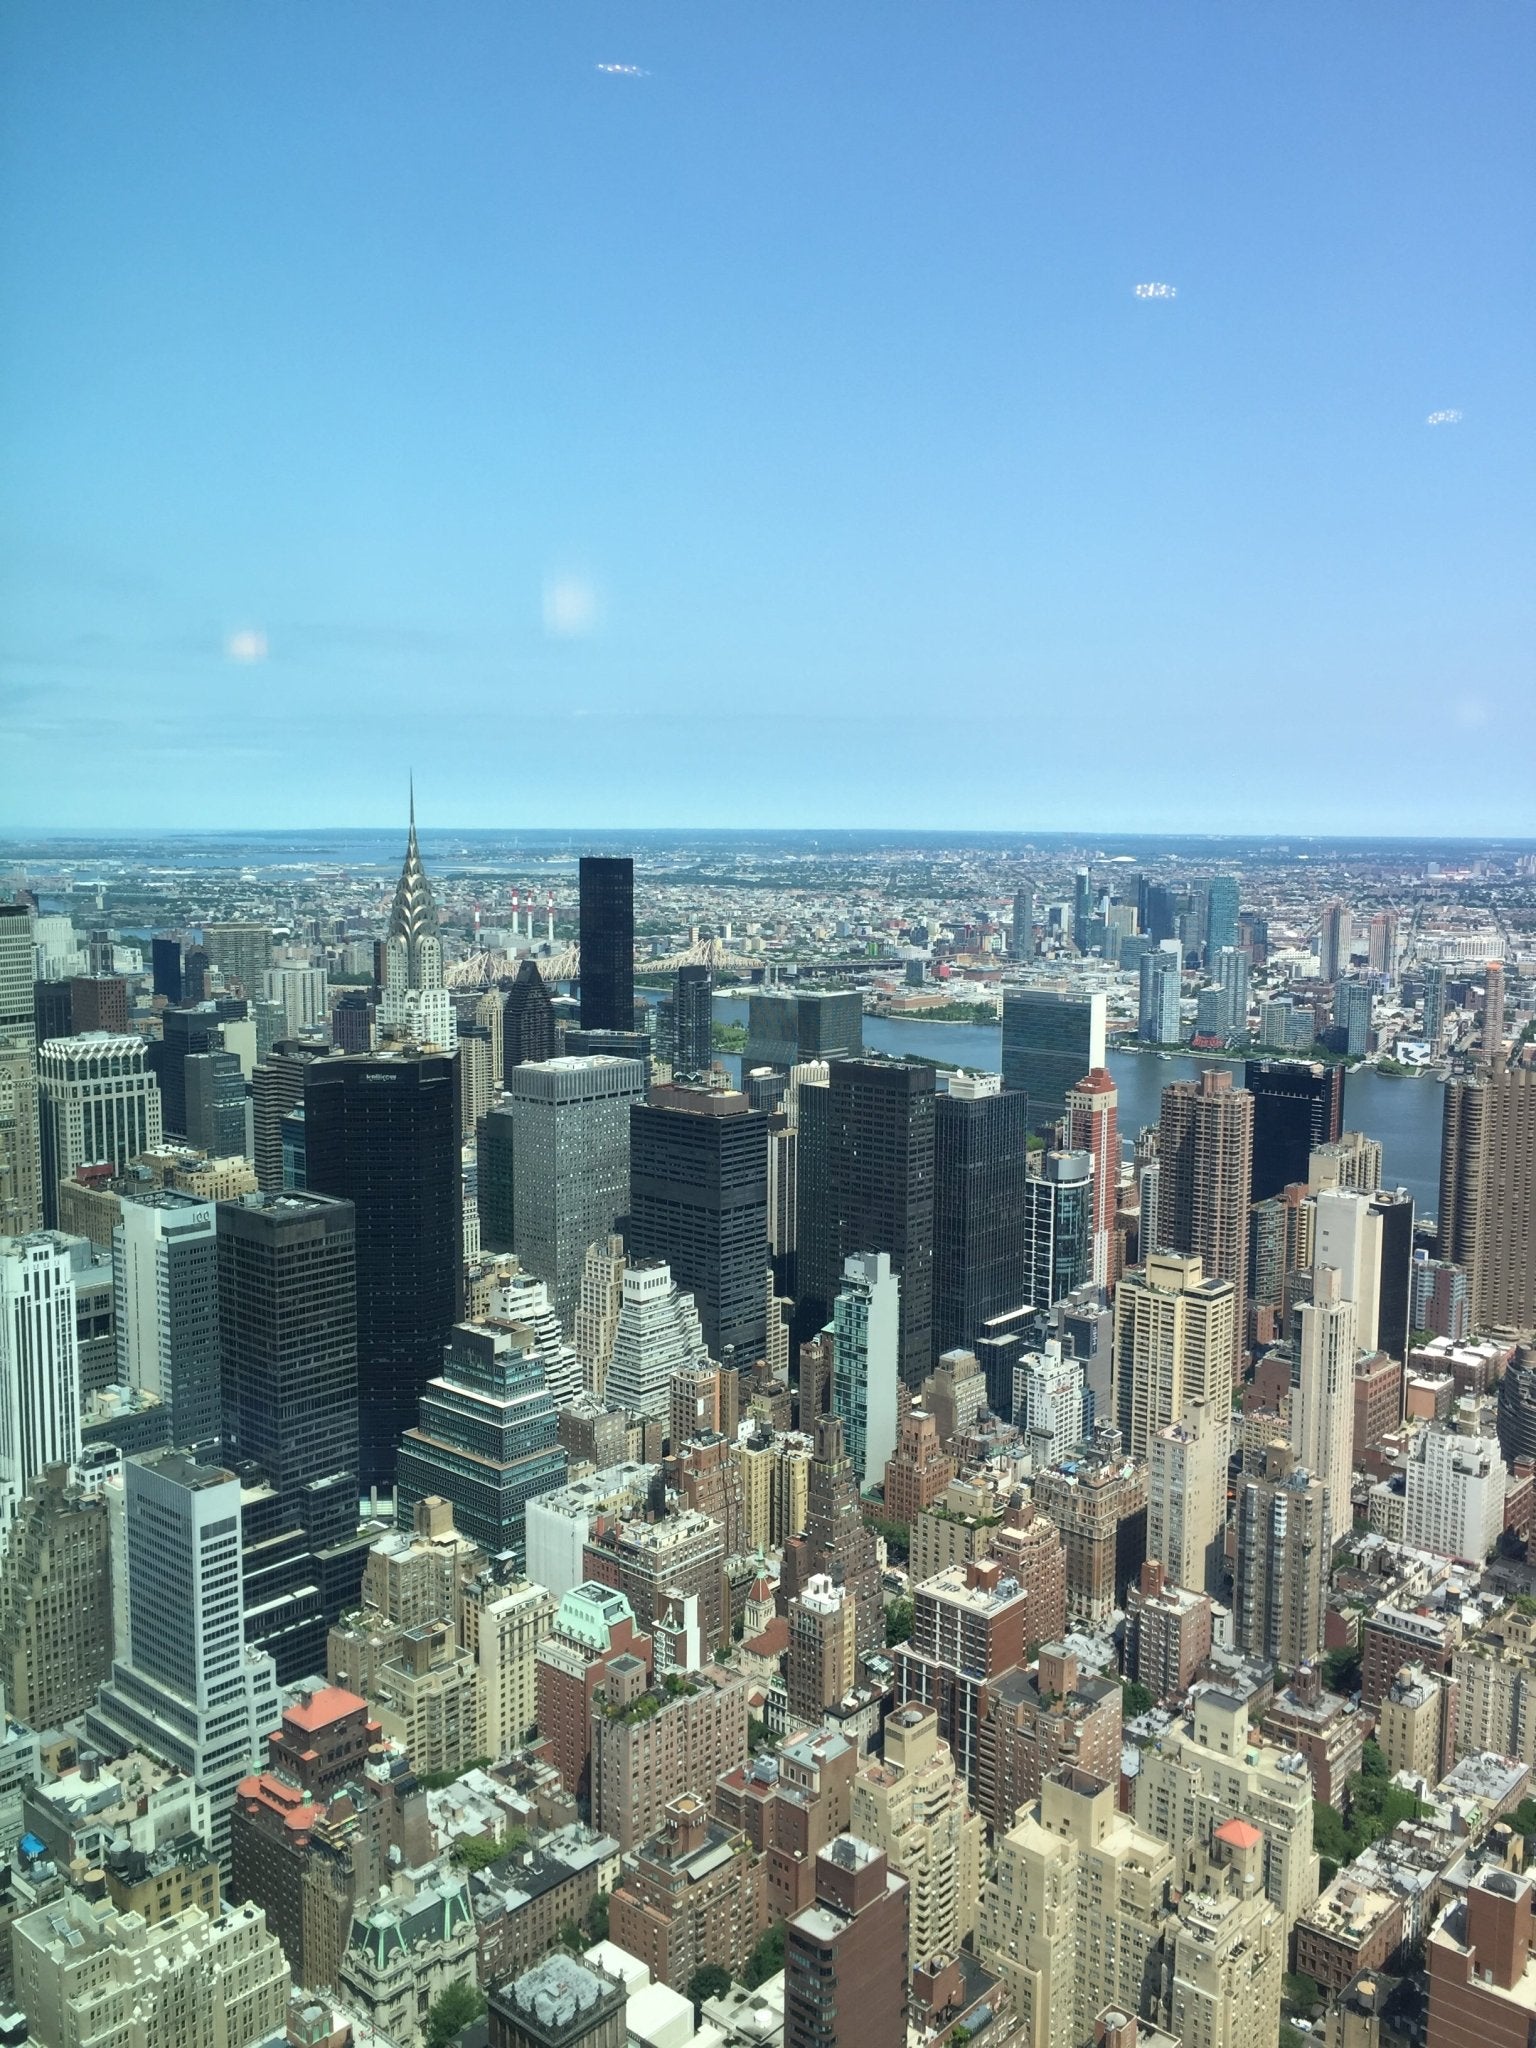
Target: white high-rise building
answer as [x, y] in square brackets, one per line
[597, 1310]
[523, 1298]
[658, 1333]
[305, 994]
[1347, 1236]
[414, 1006]
[1455, 1490]
[190, 1691]
[57, 950]
[39, 1362]
[1187, 1497]
[98, 1103]
[165, 1288]
[1324, 1400]
[866, 1353]
[1048, 1402]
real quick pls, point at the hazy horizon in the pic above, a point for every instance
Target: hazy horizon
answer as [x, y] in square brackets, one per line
[1053, 412]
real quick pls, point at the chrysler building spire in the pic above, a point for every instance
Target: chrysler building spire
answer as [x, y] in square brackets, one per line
[415, 1004]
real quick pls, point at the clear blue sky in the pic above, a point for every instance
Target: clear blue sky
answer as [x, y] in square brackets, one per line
[774, 436]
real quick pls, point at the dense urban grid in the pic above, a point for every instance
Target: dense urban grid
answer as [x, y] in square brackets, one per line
[639, 1443]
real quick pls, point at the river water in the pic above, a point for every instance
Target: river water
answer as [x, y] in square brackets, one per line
[1403, 1115]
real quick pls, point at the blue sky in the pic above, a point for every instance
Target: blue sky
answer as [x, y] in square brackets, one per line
[769, 432]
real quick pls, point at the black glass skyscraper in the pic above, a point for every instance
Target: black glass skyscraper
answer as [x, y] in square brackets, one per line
[288, 1362]
[1395, 1208]
[693, 1017]
[698, 1189]
[382, 1132]
[165, 965]
[607, 943]
[527, 1021]
[1297, 1104]
[981, 1153]
[866, 1183]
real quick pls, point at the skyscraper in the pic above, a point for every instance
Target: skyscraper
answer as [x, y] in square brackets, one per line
[692, 1023]
[866, 1332]
[1082, 909]
[55, 1601]
[1187, 1497]
[17, 963]
[981, 1170]
[570, 1163]
[277, 1088]
[165, 1277]
[1093, 1126]
[657, 1336]
[488, 1439]
[837, 1540]
[1297, 1106]
[1333, 940]
[1352, 1018]
[39, 1363]
[98, 1103]
[1393, 1324]
[1346, 1237]
[1021, 944]
[1058, 1228]
[607, 943]
[165, 965]
[1051, 1038]
[288, 1353]
[215, 1099]
[1433, 1022]
[1285, 1534]
[1220, 916]
[1173, 1345]
[528, 1021]
[194, 1028]
[414, 1005]
[383, 1133]
[866, 1183]
[189, 1691]
[784, 1031]
[1323, 1399]
[1157, 1013]
[241, 952]
[845, 1957]
[21, 1165]
[698, 1198]
[1488, 1192]
[1205, 1162]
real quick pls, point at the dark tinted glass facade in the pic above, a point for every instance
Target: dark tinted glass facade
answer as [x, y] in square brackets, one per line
[980, 1170]
[692, 1022]
[165, 967]
[698, 1181]
[383, 1134]
[607, 943]
[867, 1184]
[1296, 1104]
[528, 1021]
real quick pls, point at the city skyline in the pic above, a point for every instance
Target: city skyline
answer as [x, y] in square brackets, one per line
[544, 381]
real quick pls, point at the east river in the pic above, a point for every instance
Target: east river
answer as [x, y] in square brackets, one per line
[1403, 1115]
